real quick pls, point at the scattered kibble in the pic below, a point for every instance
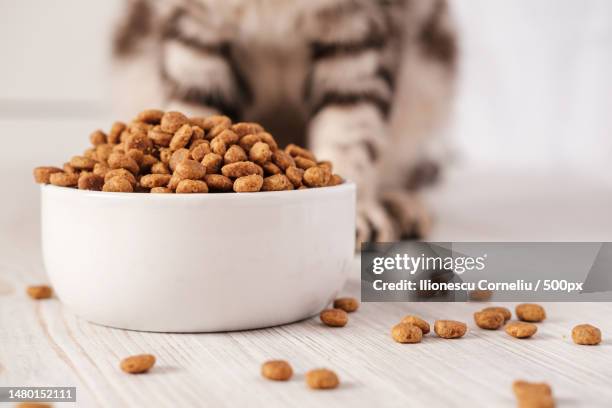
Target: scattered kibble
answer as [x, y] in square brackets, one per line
[348, 304]
[521, 330]
[138, 364]
[530, 312]
[586, 334]
[39, 291]
[277, 370]
[406, 333]
[417, 321]
[334, 317]
[533, 395]
[322, 379]
[503, 310]
[450, 329]
[489, 319]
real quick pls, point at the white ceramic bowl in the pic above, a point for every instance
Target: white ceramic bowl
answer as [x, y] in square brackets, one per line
[197, 262]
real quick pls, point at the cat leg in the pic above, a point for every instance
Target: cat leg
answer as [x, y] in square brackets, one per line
[413, 219]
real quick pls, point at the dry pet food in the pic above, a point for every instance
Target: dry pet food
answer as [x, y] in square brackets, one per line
[530, 312]
[533, 395]
[334, 317]
[347, 304]
[521, 330]
[586, 334]
[406, 333]
[138, 364]
[322, 379]
[489, 319]
[277, 370]
[168, 152]
[39, 292]
[418, 322]
[503, 310]
[450, 329]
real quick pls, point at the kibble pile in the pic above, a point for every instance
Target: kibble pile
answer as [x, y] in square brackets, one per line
[168, 152]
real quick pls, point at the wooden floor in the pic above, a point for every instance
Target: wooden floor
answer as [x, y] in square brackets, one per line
[43, 344]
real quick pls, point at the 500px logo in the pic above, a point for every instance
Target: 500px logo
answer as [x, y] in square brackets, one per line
[413, 264]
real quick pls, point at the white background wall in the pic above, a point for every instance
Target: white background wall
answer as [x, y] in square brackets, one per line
[534, 103]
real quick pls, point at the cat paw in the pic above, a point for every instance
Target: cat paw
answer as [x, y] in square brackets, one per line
[374, 223]
[409, 213]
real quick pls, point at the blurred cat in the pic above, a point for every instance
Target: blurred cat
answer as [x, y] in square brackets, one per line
[366, 84]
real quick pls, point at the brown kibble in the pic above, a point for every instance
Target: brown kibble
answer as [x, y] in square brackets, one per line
[228, 137]
[212, 162]
[211, 121]
[39, 292]
[69, 169]
[98, 137]
[115, 132]
[521, 330]
[151, 116]
[406, 333]
[122, 161]
[137, 155]
[247, 142]
[160, 168]
[218, 146]
[218, 182]
[161, 190]
[159, 137]
[267, 138]
[277, 182]
[174, 181]
[503, 310]
[260, 153]
[450, 329]
[322, 379]
[246, 128]
[241, 169]
[277, 370]
[197, 133]
[489, 319]
[43, 174]
[530, 312]
[335, 180]
[334, 317]
[138, 364]
[533, 395]
[120, 173]
[282, 159]
[418, 322]
[82, 163]
[118, 184]
[234, 154]
[104, 151]
[33, 405]
[586, 334]
[297, 151]
[177, 157]
[148, 160]
[304, 163]
[295, 175]
[191, 187]
[348, 304]
[90, 181]
[139, 141]
[64, 179]
[200, 150]
[190, 169]
[216, 131]
[316, 177]
[172, 121]
[155, 180]
[271, 169]
[248, 184]
[326, 164]
[182, 137]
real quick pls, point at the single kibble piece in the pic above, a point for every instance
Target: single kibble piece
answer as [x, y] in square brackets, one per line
[282, 159]
[317, 177]
[260, 153]
[269, 139]
[335, 180]
[182, 137]
[217, 145]
[155, 180]
[248, 184]
[450, 329]
[39, 291]
[90, 181]
[297, 151]
[248, 141]
[322, 379]
[586, 334]
[304, 163]
[152, 116]
[161, 190]
[178, 157]
[191, 187]
[490, 320]
[159, 137]
[241, 169]
[334, 317]
[228, 137]
[521, 330]
[348, 304]
[271, 169]
[277, 370]
[277, 182]
[82, 163]
[218, 182]
[120, 173]
[172, 121]
[503, 310]
[212, 162]
[123, 161]
[246, 128]
[138, 364]
[533, 395]
[64, 179]
[406, 333]
[234, 154]
[418, 322]
[530, 312]
[98, 137]
[118, 184]
[190, 169]
[43, 174]
[295, 175]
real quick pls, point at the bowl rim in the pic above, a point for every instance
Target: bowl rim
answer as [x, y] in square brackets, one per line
[347, 186]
